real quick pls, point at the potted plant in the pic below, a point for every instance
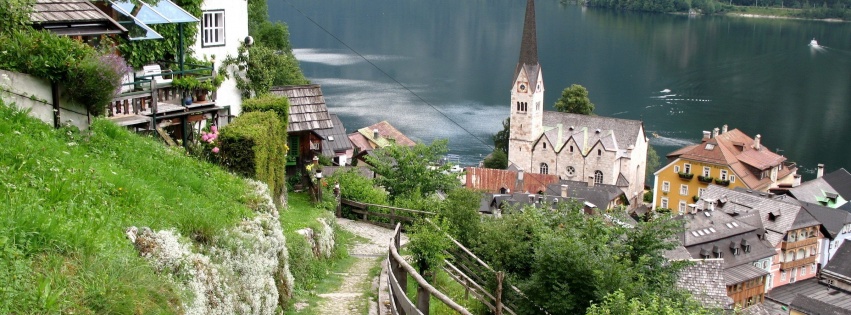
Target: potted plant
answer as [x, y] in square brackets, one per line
[705, 179]
[207, 86]
[722, 182]
[687, 176]
[186, 85]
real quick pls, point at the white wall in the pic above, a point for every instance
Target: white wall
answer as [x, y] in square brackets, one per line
[28, 92]
[827, 251]
[236, 29]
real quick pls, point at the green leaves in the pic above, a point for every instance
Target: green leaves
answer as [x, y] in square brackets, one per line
[406, 170]
[574, 99]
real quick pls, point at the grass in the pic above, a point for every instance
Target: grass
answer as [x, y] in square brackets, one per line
[66, 198]
[450, 288]
[371, 295]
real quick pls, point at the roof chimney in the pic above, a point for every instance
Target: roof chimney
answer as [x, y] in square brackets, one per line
[724, 129]
[518, 184]
[820, 171]
[564, 191]
[756, 144]
[375, 133]
[715, 132]
[706, 135]
[590, 181]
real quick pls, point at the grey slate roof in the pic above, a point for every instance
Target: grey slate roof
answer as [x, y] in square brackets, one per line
[831, 219]
[705, 281]
[840, 180]
[615, 133]
[810, 305]
[678, 253]
[812, 191]
[600, 195]
[812, 289]
[742, 273]
[786, 216]
[841, 262]
[335, 139]
[308, 111]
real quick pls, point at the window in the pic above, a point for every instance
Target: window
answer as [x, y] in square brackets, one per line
[213, 28]
[571, 149]
[545, 168]
[765, 265]
[735, 251]
[732, 178]
[682, 208]
[599, 152]
[707, 171]
[723, 174]
[571, 171]
[664, 203]
[676, 168]
[813, 268]
[782, 275]
[684, 190]
[700, 192]
[803, 270]
[687, 168]
[666, 186]
[545, 145]
[598, 177]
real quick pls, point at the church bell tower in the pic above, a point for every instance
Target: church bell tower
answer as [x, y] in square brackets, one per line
[527, 97]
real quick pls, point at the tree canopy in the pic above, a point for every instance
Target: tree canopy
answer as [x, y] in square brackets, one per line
[574, 99]
[412, 170]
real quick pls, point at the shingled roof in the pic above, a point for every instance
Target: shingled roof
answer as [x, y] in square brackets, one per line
[838, 300]
[334, 139]
[817, 191]
[614, 133]
[738, 151]
[73, 17]
[705, 280]
[308, 111]
[840, 180]
[831, 219]
[841, 262]
[365, 139]
[600, 194]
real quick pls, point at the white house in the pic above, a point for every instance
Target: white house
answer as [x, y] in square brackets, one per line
[223, 26]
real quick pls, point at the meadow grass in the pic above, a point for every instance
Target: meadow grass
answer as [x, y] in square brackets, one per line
[66, 199]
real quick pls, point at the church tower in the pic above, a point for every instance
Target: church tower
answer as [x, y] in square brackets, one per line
[527, 96]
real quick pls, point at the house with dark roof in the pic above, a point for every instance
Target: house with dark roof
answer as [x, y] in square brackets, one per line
[379, 135]
[575, 147]
[745, 255]
[308, 115]
[704, 279]
[728, 158]
[835, 226]
[830, 293]
[840, 180]
[819, 190]
[335, 142]
[79, 19]
[787, 226]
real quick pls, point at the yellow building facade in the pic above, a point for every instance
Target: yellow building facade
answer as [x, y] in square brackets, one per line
[679, 183]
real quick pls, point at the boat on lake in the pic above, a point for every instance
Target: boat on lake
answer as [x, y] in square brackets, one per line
[814, 43]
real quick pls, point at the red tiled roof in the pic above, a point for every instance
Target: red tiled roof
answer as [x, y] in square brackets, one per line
[493, 180]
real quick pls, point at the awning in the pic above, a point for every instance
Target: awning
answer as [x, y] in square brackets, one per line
[139, 16]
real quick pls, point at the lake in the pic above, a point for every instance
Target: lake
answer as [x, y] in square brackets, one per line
[443, 69]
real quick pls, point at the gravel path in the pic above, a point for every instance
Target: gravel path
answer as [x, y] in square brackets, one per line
[349, 296]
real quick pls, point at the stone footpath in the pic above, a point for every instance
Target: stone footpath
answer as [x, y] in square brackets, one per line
[349, 296]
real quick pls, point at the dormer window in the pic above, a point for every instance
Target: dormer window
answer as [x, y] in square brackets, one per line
[734, 248]
[771, 217]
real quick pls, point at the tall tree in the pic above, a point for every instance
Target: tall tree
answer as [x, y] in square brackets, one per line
[652, 163]
[574, 99]
[412, 169]
[500, 139]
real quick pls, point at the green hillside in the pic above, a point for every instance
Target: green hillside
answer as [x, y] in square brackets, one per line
[66, 199]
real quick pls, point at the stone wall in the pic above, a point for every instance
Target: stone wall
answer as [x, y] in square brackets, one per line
[28, 92]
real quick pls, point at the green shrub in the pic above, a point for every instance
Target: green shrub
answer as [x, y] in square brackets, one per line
[648, 196]
[356, 187]
[278, 104]
[96, 81]
[254, 145]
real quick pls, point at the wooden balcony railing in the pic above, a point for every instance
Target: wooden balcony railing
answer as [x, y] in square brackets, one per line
[805, 242]
[797, 263]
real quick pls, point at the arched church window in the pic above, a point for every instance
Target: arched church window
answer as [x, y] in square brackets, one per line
[598, 177]
[545, 169]
[571, 171]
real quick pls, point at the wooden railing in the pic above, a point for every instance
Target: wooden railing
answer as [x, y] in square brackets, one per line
[800, 243]
[397, 279]
[395, 214]
[798, 263]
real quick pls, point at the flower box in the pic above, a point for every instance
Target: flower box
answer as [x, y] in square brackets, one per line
[705, 179]
[687, 176]
[722, 182]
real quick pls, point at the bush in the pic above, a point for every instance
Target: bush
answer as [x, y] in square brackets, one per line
[356, 187]
[97, 79]
[254, 145]
[648, 196]
[497, 160]
[269, 103]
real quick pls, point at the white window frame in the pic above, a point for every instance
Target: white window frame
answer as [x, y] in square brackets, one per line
[545, 169]
[732, 178]
[687, 168]
[700, 192]
[707, 171]
[723, 174]
[813, 268]
[664, 203]
[666, 186]
[684, 190]
[682, 207]
[783, 275]
[676, 168]
[213, 28]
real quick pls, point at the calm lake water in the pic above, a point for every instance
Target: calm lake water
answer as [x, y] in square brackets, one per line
[680, 75]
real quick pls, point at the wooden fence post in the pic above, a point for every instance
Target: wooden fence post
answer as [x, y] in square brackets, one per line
[393, 216]
[338, 199]
[499, 277]
[423, 297]
[401, 275]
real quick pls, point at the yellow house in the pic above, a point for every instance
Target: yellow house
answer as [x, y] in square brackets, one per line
[727, 158]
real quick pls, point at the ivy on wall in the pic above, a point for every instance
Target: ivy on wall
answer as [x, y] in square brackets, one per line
[143, 52]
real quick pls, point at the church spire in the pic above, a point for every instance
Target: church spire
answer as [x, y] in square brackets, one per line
[529, 44]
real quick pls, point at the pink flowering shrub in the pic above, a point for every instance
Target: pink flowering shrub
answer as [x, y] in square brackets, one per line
[208, 146]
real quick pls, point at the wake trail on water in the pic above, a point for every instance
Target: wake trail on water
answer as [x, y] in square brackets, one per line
[669, 142]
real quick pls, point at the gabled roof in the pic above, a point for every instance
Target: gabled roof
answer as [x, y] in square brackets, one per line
[705, 281]
[737, 151]
[73, 18]
[831, 219]
[600, 194]
[365, 140]
[840, 264]
[614, 134]
[817, 191]
[493, 180]
[812, 290]
[308, 111]
[840, 180]
[742, 273]
[334, 139]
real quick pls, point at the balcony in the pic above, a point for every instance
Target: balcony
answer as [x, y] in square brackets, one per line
[686, 176]
[705, 179]
[801, 243]
[798, 263]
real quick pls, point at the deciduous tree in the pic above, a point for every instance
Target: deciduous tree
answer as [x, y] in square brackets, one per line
[574, 99]
[405, 169]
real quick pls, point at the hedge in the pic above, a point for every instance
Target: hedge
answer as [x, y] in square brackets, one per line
[254, 145]
[280, 105]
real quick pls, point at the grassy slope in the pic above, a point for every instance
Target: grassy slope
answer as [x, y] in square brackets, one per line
[66, 199]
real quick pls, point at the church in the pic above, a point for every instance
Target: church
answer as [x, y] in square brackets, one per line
[591, 149]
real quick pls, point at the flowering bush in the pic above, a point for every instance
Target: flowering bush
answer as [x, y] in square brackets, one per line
[96, 80]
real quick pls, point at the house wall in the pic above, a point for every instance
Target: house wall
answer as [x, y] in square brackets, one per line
[748, 292]
[34, 94]
[828, 247]
[669, 174]
[810, 251]
[236, 29]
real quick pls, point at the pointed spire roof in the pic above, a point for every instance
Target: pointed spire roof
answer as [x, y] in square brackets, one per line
[529, 46]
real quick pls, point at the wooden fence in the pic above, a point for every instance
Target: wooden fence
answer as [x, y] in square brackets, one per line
[395, 215]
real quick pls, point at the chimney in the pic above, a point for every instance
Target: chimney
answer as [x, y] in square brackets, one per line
[706, 135]
[715, 132]
[820, 171]
[375, 133]
[724, 129]
[756, 144]
[797, 180]
[590, 181]
[564, 191]
[518, 184]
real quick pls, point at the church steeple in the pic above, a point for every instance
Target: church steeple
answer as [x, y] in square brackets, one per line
[529, 47]
[527, 97]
